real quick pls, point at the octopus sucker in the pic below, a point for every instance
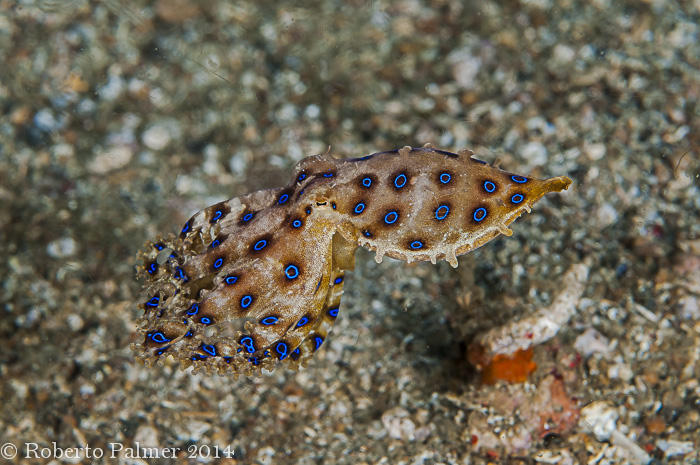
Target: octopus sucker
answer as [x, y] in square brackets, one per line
[256, 281]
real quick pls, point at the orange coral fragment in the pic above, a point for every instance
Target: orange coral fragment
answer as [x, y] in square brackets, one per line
[513, 368]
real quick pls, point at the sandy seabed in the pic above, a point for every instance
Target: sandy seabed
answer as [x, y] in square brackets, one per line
[122, 119]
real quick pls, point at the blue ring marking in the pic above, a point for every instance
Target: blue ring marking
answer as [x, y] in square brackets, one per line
[318, 284]
[441, 212]
[152, 268]
[415, 245]
[180, 274]
[302, 322]
[186, 227]
[307, 210]
[228, 359]
[479, 214]
[198, 357]
[217, 216]
[445, 177]
[291, 272]
[366, 233]
[338, 280]
[247, 217]
[158, 337]
[261, 244]
[367, 181]
[153, 301]
[391, 217]
[329, 174]
[248, 344]
[296, 224]
[489, 186]
[215, 243]
[400, 181]
[246, 300]
[333, 312]
[283, 198]
[517, 198]
[518, 179]
[158, 246]
[254, 360]
[205, 320]
[478, 161]
[218, 262]
[333, 205]
[301, 177]
[211, 350]
[231, 279]
[359, 208]
[295, 354]
[162, 350]
[281, 348]
[189, 334]
[269, 320]
[318, 340]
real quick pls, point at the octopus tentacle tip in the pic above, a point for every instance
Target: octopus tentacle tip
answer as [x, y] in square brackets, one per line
[558, 184]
